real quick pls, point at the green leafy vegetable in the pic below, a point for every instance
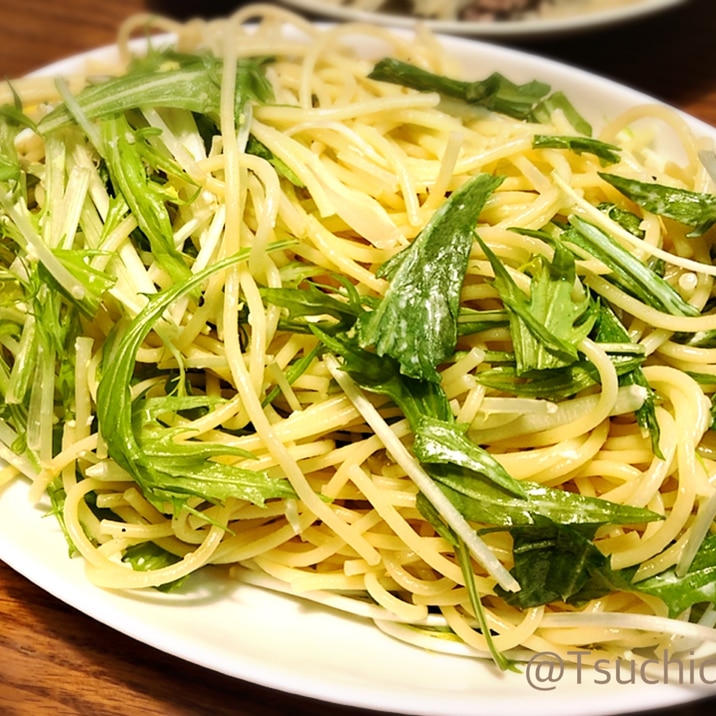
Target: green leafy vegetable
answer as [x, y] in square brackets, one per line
[548, 325]
[627, 270]
[57, 495]
[558, 101]
[145, 196]
[257, 148]
[12, 121]
[94, 281]
[626, 219]
[149, 556]
[553, 383]
[495, 93]
[698, 585]
[170, 80]
[416, 322]
[610, 330]
[470, 321]
[608, 153]
[694, 209]
[294, 372]
[441, 442]
[415, 398]
[310, 302]
[315, 300]
[488, 504]
[168, 472]
[557, 563]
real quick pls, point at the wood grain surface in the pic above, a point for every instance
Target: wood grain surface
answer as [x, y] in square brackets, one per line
[55, 660]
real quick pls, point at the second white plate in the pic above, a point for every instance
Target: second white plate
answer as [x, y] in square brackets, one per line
[513, 29]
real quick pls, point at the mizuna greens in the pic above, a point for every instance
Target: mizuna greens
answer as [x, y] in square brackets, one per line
[430, 348]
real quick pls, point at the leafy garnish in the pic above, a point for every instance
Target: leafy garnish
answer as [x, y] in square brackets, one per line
[470, 321]
[495, 93]
[58, 495]
[695, 209]
[313, 301]
[626, 219]
[445, 443]
[558, 101]
[148, 556]
[557, 563]
[259, 149]
[416, 322]
[548, 325]
[609, 329]
[145, 196]
[415, 398]
[168, 472]
[698, 585]
[554, 383]
[94, 281]
[12, 120]
[484, 502]
[170, 80]
[294, 371]
[627, 270]
[607, 153]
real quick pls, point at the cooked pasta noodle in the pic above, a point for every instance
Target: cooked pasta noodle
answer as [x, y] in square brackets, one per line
[350, 172]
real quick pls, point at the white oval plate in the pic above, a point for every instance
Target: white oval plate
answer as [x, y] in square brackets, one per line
[533, 27]
[291, 646]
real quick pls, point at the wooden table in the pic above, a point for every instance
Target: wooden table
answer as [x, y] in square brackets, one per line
[54, 659]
